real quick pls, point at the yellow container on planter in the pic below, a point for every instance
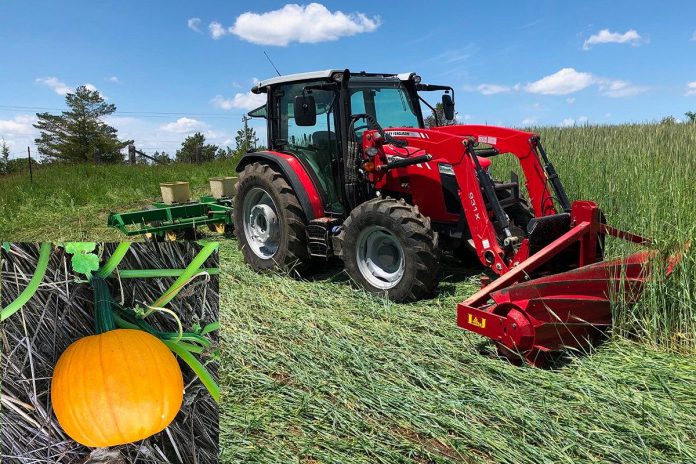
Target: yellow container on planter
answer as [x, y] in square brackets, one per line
[222, 187]
[175, 192]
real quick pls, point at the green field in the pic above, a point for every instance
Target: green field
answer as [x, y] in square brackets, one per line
[74, 201]
[315, 371]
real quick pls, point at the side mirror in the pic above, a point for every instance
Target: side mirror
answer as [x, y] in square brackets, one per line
[448, 106]
[305, 110]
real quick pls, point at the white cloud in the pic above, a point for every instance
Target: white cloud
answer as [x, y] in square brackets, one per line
[19, 133]
[693, 37]
[194, 24]
[19, 125]
[55, 84]
[183, 126]
[526, 122]
[618, 88]
[217, 31]
[563, 82]
[245, 101]
[570, 122]
[691, 88]
[311, 23]
[492, 89]
[606, 36]
[114, 80]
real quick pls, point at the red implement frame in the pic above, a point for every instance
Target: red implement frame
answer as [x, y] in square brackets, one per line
[528, 319]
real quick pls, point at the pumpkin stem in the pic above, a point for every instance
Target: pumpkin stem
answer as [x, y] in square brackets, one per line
[103, 315]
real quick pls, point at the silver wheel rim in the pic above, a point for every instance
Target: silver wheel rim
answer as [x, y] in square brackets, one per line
[380, 257]
[261, 223]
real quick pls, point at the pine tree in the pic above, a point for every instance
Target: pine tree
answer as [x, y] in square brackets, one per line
[162, 158]
[80, 134]
[245, 139]
[4, 158]
[190, 146]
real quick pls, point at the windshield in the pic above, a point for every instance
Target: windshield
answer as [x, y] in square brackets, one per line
[389, 103]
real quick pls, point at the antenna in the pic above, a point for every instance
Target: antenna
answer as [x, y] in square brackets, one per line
[269, 60]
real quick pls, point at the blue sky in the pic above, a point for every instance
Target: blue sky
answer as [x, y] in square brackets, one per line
[173, 68]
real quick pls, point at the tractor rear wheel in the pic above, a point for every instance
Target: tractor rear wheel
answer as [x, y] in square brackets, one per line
[390, 248]
[269, 221]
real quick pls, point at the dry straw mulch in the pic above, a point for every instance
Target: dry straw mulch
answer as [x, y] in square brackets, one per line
[61, 312]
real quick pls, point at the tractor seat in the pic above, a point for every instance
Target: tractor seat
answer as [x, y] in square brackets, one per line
[321, 140]
[324, 143]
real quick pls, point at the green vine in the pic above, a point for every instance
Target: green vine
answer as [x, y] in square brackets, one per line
[103, 305]
[34, 282]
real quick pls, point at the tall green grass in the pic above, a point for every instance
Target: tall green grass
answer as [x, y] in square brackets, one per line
[73, 201]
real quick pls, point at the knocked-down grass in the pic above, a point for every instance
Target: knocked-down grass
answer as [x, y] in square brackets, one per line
[319, 372]
[73, 201]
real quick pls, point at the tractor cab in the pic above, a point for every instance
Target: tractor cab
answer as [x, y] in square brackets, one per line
[320, 135]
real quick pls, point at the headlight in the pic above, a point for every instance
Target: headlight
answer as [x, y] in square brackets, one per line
[446, 169]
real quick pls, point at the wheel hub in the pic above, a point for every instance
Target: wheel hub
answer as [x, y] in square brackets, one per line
[261, 223]
[380, 257]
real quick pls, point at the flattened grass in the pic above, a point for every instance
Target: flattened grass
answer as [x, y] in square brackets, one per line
[319, 372]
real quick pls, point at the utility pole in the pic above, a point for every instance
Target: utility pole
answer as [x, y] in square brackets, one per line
[245, 120]
[131, 153]
[31, 174]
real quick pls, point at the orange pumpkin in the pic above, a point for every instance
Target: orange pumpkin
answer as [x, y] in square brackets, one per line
[118, 387]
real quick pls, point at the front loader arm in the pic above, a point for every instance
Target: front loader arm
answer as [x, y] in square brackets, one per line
[524, 146]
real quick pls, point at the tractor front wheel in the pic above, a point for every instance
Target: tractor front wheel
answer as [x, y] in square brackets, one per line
[269, 221]
[390, 248]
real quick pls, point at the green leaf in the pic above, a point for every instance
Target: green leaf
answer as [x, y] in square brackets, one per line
[139, 312]
[6, 246]
[80, 247]
[85, 263]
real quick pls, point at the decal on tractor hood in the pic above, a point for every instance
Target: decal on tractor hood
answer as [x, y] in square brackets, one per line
[487, 139]
[400, 133]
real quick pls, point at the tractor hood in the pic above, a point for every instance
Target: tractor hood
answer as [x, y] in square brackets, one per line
[440, 146]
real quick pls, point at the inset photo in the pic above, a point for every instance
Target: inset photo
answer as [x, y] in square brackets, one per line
[109, 352]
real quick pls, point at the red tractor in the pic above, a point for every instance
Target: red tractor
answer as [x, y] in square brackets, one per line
[352, 172]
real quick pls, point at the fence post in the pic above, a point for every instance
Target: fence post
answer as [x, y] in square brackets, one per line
[131, 153]
[31, 174]
[199, 149]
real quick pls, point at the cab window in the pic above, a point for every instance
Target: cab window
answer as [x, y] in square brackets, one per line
[315, 145]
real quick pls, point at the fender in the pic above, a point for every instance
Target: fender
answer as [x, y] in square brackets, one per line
[296, 174]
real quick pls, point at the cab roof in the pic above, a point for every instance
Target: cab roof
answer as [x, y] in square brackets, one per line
[325, 74]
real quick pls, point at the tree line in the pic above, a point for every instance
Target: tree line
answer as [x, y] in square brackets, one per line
[80, 134]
